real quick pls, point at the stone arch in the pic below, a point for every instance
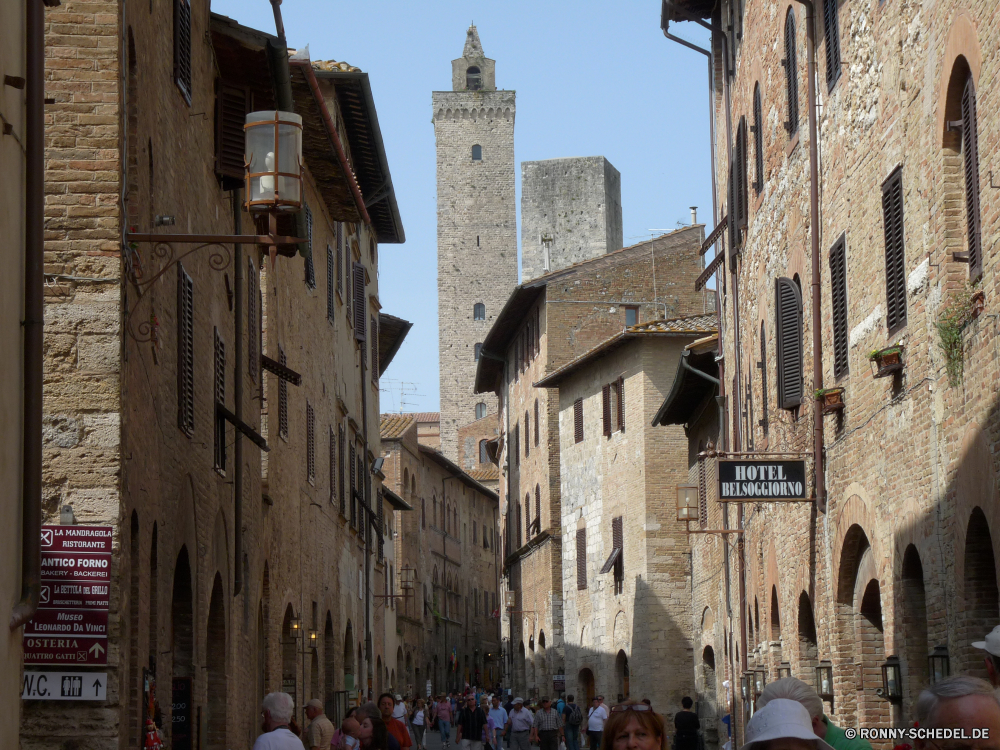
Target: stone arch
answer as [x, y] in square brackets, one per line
[289, 659]
[707, 620]
[541, 658]
[585, 685]
[215, 672]
[708, 680]
[975, 482]
[621, 639]
[622, 675]
[914, 626]
[521, 671]
[775, 615]
[182, 627]
[981, 601]
[329, 665]
[963, 42]
[855, 512]
[808, 652]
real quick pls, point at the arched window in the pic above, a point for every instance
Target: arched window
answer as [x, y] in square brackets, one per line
[480, 410]
[473, 78]
[479, 311]
[483, 456]
[477, 349]
[477, 153]
[791, 75]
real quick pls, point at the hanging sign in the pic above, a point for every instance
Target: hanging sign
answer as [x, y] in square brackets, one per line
[762, 480]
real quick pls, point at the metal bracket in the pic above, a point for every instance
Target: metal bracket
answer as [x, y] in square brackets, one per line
[242, 426]
[276, 368]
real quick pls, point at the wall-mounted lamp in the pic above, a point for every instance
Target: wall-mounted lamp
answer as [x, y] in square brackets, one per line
[784, 670]
[939, 664]
[824, 680]
[892, 680]
[687, 502]
[295, 627]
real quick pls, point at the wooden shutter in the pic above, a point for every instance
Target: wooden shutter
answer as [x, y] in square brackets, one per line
[354, 486]
[253, 322]
[517, 445]
[618, 542]
[838, 299]
[621, 404]
[282, 397]
[340, 470]
[185, 351]
[578, 420]
[895, 260]
[340, 258]
[182, 47]
[702, 494]
[764, 421]
[332, 458]
[330, 281]
[788, 308]
[581, 559]
[536, 423]
[527, 433]
[527, 517]
[518, 532]
[310, 265]
[231, 106]
[310, 443]
[831, 32]
[791, 75]
[741, 174]
[758, 141]
[348, 272]
[374, 348]
[606, 403]
[538, 507]
[970, 158]
[219, 393]
[359, 302]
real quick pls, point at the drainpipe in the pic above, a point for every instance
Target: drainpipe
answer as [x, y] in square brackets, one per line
[238, 406]
[814, 229]
[34, 317]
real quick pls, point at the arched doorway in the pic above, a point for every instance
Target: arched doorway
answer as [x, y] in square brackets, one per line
[545, 683]
[289, 684]
[775, 623]
[532, 674]
[708, 686]
[915, 646]
[215, 663]
[329, 666]
[520, 670]
[808, 645]
[621, 673]
[982, 603]
[378, 676]
[872, 709]
[182, 646]
[585, 686]
[349, 668]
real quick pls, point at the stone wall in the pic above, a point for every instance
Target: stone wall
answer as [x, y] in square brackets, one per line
[571, 210]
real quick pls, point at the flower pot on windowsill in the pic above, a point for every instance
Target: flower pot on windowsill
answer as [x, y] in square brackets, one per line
[978, 303]
[887, 361]
[831, 399]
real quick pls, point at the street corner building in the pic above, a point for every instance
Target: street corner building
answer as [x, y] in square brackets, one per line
[857, 276]
[215, 409]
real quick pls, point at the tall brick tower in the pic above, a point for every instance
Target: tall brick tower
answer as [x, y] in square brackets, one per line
[477, 227]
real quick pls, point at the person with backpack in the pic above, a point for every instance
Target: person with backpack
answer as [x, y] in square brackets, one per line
[573, 716]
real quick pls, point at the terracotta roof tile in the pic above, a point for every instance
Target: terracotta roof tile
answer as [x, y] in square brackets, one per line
[394, 425]
[487, 473]
[691, 324]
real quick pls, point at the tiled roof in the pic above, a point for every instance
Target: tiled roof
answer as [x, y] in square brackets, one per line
[487, 473]
[427, 416]
[394, 425]
[691, 324]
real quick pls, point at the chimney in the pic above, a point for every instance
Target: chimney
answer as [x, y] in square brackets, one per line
[694, 214]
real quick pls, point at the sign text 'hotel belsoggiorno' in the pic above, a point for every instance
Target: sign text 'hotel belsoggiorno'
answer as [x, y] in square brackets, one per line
[762, 480]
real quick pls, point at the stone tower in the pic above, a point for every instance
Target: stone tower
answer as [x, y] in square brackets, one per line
[571, 210]
[477, 227]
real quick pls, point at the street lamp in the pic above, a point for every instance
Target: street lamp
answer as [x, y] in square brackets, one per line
[824, 680]
[313, 638]
[274, 161]
[784, 670]
[939, 665]
[892, 680]
[295, 627]
[687, 502]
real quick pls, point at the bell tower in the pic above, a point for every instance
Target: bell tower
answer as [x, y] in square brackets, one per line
[477, 227]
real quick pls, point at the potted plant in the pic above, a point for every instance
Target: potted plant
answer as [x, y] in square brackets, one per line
[978, 303]
[887, 360]
[831, 398]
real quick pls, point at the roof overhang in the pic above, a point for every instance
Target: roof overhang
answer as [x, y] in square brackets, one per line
[684, 10]
[395, 500]
[391, 332]
[690, 389]
[439, 458]
[492, 356]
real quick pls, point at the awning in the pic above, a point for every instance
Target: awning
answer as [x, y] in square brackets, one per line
[612, 559]
[689, 390]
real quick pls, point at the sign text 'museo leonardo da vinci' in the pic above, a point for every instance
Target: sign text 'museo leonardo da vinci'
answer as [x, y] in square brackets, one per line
[762, 480]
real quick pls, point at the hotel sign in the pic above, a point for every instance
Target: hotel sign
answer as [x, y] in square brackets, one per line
[762, 480]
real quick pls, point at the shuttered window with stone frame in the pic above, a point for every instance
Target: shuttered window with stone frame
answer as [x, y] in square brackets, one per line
[310, 444]
[788, 330]
[578, 421]
[758, 141]
[831, 39]
[838, 301]
[606, 409]
[517, 445]
[253, 322]
[790, 64]
[702, 494]
[895, 257]
[380, 516]
[331, 280]
[359, 303]
[374, 349]
[185, 351]
[538, 509]
[182, 47]
[310, 265]
[349, 273]
[231, 106]
[970, 163]
[282, 398]
[219, 394]
[741, 202]
[581, 559]
[354, 486]
[618, 542]
[332, 458]
[527, 433]
[762, 366]
[536, 423]
[340, 259]
[517, 525]
[341, 454]
[620, 390]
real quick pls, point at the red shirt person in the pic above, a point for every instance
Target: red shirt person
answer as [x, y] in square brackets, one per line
[386, 703]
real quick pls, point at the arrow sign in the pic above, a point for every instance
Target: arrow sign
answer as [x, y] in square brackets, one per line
[96, 650]
[97, 687]
[63, 686]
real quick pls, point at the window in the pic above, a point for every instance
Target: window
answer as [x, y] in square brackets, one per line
[231, 106]
[621, 404]
[354, 485]
[970, 162]
[340, 471]
[182, 47]
[348, 258]
[374, 349]
[332, 457]
[758, 141]
[578, 420]
[895, 260]
[581, 559]
[631, 316]
[480, 410]
[473, 78]
[538, 508]
[517, 445]
[838, 299]
[475, 536]
[788, 328]
[310, 444]
[340, 258]
[253, 321]
[517, 526]
[606, 401]
[477, 153]
[372, 249]
[527, 435]
[282, 398]
[423, 513]
[359, 303]
[536, 422]
[220, 399]
[330, 281]
[791, 75]
[831, 34]
[310, 266]
[763, 385]
[476, 351]
[483, 455]
[527, 517]
[613, 398]
[185, 351]
[479, 311]
[618, 542]
[742, 213]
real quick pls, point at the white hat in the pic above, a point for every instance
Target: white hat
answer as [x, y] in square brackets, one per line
[519, 700]
[992, 643]
[399, 697]
[782, 718]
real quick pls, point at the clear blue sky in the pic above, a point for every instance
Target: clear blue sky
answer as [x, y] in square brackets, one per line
[592, 78]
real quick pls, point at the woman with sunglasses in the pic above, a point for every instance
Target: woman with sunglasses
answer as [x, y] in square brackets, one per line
[634, 726]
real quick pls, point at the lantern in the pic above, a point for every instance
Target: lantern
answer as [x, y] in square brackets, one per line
[313, 639]
[760, 680]
[687, 502]
[824, 680]
[274, 161]
[784, 670]
[295, 627]
[892, 680]
[745, 686]
[938, 663]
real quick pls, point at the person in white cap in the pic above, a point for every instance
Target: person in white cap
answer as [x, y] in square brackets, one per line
[319, 733]
[782, 725]
[519, 724]
[399, 710]
[991, 645]
[795, 689]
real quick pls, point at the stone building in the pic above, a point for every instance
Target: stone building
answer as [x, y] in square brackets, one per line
[448, 558]
[625, 557]
[571, 210]
[237, 571]
[896, 556]
[477, 231]
[546, 323]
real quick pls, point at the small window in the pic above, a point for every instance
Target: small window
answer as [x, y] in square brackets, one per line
[581, 559]
[631, 316]
[477, 153]
[182, 47]
[480, 410]
[791, 75]
[758, 141]
[310, 266]
[479, 311]
[483, 455]
[578, 420]
[282, 398]
[332, 457]
[340, 258]
[473, 78]
[536, 422]
[185, 351]
[517, 445]
[838, 299]
[618, 542]
[764, 422]
[477, 350]
[970, 160]
[831, 33]
[527, 434]
[220, 398]
[788, 329]
[895, 260]
[310, 444]
[331, 270]
[341, 454]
